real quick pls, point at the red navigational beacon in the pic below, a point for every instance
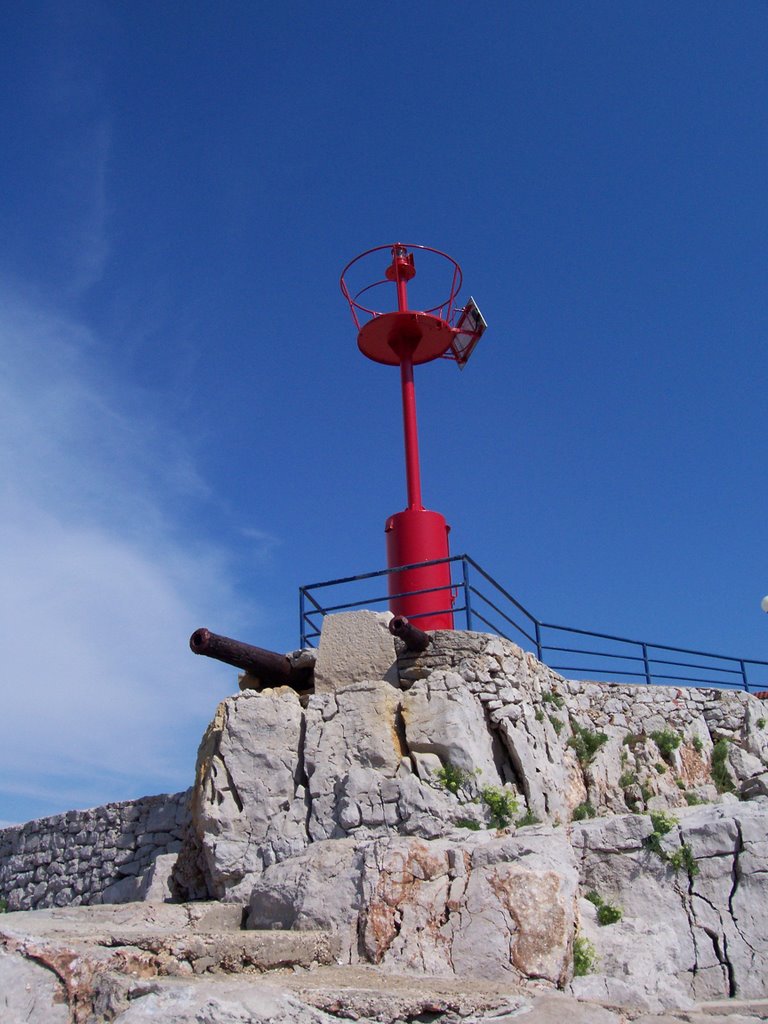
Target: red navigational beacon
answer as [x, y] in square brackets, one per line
[417, 538]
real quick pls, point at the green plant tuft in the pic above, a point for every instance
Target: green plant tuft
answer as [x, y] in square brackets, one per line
[608, 914]
[633, 738]
[474, 826]
[667, 740]
[582, 811]
[760, 723]
[719, 770]
[683, 858]
[662, 822]
[539, 715]
[679, 783]
[692, 799]
[501, 804]
[557, 723]
[660, 767]
[586, 743]
[529, 818]
[697, 744]
[548, 697]
[584, 956]
[452, 778]
[627, 779]
[3, 905]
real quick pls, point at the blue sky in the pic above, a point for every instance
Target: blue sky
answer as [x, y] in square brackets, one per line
[188, 430]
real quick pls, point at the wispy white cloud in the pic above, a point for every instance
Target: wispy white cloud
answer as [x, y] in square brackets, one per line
[99, 587]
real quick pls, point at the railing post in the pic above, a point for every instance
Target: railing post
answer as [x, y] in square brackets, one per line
[744, 674]
[302, 627]
[646, 664]
[467, 599]
[538, 639]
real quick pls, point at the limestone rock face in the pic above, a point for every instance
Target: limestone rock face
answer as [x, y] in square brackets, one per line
[481, 904]
[250, 802]
[387, 810]
[473, 713]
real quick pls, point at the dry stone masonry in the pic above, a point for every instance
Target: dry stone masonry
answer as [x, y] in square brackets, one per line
[590, 851]
[107, 854]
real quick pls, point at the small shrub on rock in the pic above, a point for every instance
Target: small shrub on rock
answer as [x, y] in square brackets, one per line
[607, 913]
[3, 905]
[667, 740]
[683, 858]
[760, 723]
[501, 804]
[692, 799]
[584, 956]
[548, 697]
[582, 811]
[662, 824]
[452, 778]
[632, 739]
[586, 743]
[474, 826]
[719, 770]
[529, 818]
[697, 744]
[627, 779]
[557, 723]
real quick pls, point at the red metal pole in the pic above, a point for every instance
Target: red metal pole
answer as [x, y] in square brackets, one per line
[410, 428]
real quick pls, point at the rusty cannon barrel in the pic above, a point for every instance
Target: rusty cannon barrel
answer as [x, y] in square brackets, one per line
[415, 639]
[269, 668]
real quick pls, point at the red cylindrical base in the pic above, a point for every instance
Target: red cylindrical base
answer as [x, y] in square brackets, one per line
[417, 535]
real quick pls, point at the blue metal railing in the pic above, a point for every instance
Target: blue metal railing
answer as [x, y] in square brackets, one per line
[576, 653]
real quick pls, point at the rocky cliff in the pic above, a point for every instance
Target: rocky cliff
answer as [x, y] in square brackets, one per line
[468, 815]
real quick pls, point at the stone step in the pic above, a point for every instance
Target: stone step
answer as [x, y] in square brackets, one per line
[164, 938]
[235, 951]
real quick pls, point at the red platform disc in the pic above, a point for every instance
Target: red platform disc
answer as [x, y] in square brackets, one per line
[427, 335]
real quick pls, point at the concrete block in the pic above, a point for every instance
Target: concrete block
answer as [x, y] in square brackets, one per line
[355, 646]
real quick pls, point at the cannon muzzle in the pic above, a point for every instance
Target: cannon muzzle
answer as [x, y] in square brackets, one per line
[269, 668]
[415, 639]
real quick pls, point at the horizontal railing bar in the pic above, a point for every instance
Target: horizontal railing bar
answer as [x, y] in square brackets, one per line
[689, 664]
[587, 668]
[382, 572]
[656, 647]
[386, 597]
[695, 679]
[593, 654]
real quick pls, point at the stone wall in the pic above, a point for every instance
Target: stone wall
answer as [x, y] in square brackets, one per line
[102, 855]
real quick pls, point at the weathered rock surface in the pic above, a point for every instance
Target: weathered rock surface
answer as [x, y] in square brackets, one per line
[442, 814]
[91, 965]
[479, 904]
[370, 758]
